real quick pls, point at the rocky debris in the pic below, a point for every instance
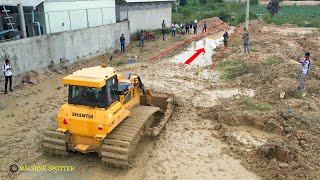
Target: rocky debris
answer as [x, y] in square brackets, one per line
[275, 150]
[288, 114]
[30, 77]
[238, 82]
[313, 107]
[2, 105]
[273, 126]
[226, 150]
[217, 126]
[282, 95]
[283, 165]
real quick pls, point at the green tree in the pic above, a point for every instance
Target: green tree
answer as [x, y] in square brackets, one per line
[273, 7]
[183, 2]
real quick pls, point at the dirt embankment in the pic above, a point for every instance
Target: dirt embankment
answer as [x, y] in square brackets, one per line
[278, 108]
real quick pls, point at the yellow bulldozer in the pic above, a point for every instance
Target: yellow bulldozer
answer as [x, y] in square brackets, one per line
[106, 114]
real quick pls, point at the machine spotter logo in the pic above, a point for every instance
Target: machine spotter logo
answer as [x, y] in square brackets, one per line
[14, 168]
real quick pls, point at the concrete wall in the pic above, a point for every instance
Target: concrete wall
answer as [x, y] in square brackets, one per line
[66, 16]
[145, 15]
[37, 53]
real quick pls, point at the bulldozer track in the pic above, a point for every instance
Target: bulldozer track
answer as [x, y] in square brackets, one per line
[118, 147]
[54, 142]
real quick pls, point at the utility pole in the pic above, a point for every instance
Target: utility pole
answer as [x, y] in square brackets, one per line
[177, 4]
[22, 21]
[247, 15]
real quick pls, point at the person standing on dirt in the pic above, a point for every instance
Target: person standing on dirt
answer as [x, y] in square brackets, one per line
[305, 66]
[7, 72]
[195, 27]
[204, 27]
[122, 42]
[163, 29]
[187, 27]
[174, 29]
[225, 38]
[141, 39]
[246, 42]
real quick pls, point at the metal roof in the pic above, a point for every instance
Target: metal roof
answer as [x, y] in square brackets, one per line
[9, 2]
[26, 3]
[31, 3]
[91, 77]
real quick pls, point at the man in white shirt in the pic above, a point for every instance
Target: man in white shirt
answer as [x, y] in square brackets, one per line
[174, 29]
[305, 66]
[7, 72]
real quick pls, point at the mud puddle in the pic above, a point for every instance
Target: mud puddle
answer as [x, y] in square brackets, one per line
[251, 137]
[209, 43]
[207, 99]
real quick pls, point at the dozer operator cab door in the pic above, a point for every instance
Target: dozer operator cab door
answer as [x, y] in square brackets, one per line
[112, 90]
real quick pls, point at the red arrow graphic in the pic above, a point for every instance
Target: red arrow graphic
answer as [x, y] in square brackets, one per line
[199, 51]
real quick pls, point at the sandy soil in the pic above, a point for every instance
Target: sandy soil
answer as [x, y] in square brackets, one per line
[210, 136]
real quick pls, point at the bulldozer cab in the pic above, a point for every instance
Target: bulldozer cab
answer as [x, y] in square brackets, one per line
[101, 97]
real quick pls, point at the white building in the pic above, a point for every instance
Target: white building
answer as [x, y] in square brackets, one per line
[144, 14]
[65, 15]
[52, 16]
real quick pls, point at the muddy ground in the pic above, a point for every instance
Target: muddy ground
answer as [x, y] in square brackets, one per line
[231, 125]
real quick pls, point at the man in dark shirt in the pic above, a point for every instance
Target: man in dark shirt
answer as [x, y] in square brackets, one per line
[246, 42]
[163, 29]
[122, 42]
[187, 26]
[225, 38]
[204, 27]
[141, 35]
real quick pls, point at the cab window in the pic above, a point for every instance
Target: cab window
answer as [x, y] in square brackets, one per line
[87, 96]
[112, 90]
[128, 98]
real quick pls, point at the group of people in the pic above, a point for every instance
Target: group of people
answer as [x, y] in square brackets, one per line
[174, 28]
[187, 26]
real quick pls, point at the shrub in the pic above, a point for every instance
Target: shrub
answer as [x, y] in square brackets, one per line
[204, 1]
[251, 104]
[269, 61]
[294, 93]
